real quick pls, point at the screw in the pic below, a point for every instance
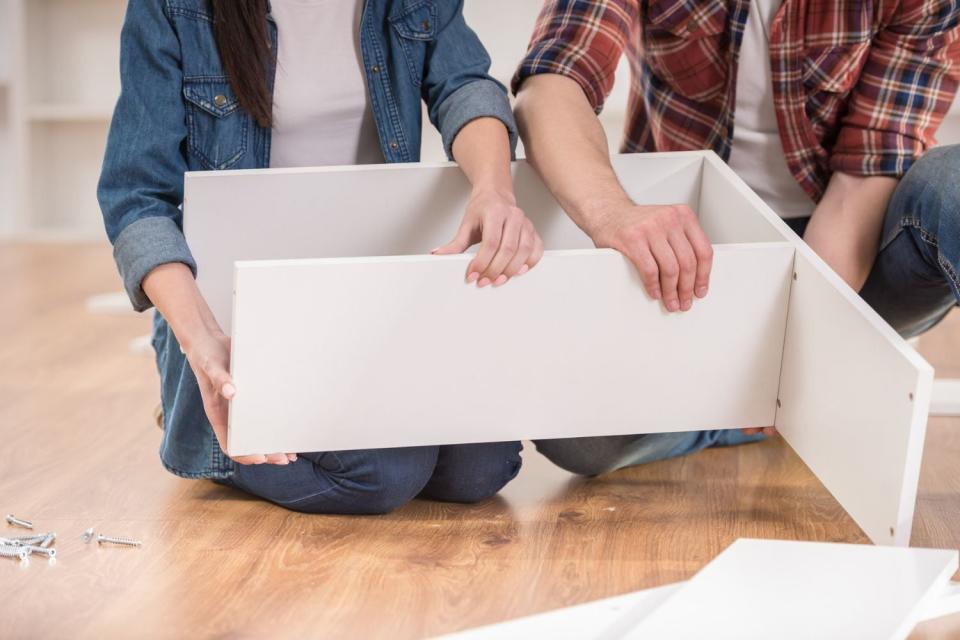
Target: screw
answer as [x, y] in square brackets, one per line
[20, 541]
[26, 524]
[48, 540]
[14, 552]
[127, 542]
[42, 551]
[87, 535]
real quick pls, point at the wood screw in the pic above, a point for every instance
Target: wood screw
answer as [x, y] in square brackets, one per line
[127, 542]
[14, 552]
[50, 553]
[87, 535]
[17, 522]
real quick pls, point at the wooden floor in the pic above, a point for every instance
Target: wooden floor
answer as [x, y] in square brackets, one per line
[79, 450]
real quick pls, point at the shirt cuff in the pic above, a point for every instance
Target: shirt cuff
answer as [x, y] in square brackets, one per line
[866, 152]
[477, 99]
[145, 245]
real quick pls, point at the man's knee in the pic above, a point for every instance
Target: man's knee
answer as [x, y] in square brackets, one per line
[584, 456]
[935, 176]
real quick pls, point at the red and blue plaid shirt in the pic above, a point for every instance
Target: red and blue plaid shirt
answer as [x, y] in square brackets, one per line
[859, 86]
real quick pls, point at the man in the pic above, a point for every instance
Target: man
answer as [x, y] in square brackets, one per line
[834, 102]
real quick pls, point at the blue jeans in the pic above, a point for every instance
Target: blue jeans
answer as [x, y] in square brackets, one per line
[913, 284]
[380, 480]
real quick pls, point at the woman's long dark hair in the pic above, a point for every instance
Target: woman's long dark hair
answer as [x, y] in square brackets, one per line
[240, 27]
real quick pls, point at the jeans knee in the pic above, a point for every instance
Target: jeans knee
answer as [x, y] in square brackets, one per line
[474, 472]
[582, 456]
[378, 481]
[935, 174]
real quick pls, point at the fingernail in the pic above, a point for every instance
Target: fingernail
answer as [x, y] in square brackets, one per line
[473, 277]
[502, 278]
[228, 390]
[523, 270]
[656, 294]
[483, 282]
[673, 305]
[686, 305]
[701, 292]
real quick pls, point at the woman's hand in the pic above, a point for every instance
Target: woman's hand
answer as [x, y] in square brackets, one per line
[510, 246]
[209, 357]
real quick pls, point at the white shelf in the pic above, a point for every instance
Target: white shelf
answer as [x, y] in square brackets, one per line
[69, 113]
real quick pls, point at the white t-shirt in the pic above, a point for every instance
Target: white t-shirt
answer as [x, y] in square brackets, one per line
[321, 111]
[757, 155]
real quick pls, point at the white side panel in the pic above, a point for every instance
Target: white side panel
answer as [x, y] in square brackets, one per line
[383, 352]
[854, 401]
[762, 589]
[854, 395]
[383, 210]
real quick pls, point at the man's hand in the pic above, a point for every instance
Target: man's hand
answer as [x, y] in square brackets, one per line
[510, 246]
[666, 245]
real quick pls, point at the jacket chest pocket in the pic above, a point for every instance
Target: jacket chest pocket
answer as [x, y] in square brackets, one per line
[681, 45]
[217, 128]
[415, 25]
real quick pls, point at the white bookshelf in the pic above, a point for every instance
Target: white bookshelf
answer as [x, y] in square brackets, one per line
[59, 74]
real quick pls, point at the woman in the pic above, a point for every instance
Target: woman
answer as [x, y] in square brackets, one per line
[239, 84]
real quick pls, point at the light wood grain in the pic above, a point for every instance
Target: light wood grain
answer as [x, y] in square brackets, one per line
[79, 450]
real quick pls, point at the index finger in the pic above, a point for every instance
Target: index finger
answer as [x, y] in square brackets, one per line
[704, 252]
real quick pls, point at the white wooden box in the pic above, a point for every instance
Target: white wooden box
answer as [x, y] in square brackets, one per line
[347, 335]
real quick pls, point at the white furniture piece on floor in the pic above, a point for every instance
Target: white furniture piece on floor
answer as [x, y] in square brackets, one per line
[851, 396]
[760, 589]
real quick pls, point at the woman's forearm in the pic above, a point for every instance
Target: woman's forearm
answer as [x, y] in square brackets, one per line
[175, 294]
[482, 149]
[846, 225]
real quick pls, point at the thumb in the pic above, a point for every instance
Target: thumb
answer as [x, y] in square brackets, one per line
[459, 244]
[221, 381]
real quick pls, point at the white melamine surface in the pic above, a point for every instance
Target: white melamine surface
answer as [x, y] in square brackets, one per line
[362, 353]
[846, 374]
[762, 589]
[335, 212]
[854, 395]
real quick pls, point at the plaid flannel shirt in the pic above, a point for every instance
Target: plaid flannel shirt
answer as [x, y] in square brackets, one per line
[859, 86]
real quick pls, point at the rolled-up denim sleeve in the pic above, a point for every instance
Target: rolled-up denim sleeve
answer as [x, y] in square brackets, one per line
[457, 85]
[141, 182]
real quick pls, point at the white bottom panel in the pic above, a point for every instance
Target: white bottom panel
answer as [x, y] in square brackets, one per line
[387, 352]
[762, 589]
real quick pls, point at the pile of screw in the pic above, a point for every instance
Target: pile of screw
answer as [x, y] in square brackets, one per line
[22, 547]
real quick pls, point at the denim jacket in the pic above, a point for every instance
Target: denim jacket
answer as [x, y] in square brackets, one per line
[178, 113]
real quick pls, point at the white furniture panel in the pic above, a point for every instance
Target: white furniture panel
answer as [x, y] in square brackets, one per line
[333, 212]
[837, 411]
[854, 395]
[383, 352]
[761, 589]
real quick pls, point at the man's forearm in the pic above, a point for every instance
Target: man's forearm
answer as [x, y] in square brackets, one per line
[846, 225]
[566, 144]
